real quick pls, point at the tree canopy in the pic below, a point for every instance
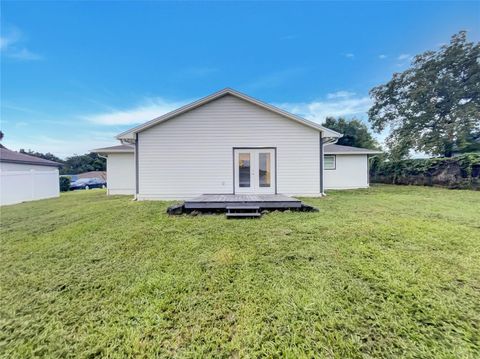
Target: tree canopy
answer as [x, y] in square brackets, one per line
[83, 163]
[75, 164]
[434, 106]
[46, 156]
[355, 132]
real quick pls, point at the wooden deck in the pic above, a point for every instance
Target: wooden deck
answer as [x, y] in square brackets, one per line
[222, 201]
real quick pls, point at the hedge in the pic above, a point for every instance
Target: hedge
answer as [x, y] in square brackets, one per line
[454, 172]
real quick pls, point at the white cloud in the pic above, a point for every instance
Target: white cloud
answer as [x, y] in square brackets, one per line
[11, 46]
[9, 39]
[403, 57]
[340, 94]
[151, 109]
[276, 79]
[349, 55]
[382, 56]
[62, 147]
[347, 105]
[24, 54]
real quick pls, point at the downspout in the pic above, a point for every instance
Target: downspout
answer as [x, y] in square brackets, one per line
[136, 167]
[321, 165]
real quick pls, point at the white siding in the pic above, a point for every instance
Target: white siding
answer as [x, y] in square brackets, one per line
[351, 172]
[192, 154]
[121, 173]
[28, 184]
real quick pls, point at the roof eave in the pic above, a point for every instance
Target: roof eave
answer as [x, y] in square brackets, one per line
[352, 153]
[130, 134]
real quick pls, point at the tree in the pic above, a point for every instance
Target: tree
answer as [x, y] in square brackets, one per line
[83, 163]
[435, 104]
[355, 133]
[46, 156]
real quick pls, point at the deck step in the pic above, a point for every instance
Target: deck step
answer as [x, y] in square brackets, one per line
[240, 207]
[243, 214]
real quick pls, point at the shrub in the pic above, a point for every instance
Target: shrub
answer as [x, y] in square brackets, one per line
[64, 184]
[453, 172]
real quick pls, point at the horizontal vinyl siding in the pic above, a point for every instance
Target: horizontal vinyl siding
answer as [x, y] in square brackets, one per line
[192, 154]
[121, 173]
[351, 171]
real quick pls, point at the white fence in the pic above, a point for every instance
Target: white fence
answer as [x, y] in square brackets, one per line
[21, 186]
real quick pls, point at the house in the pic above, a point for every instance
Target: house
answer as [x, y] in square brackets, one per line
[230, 143]
[26, 178]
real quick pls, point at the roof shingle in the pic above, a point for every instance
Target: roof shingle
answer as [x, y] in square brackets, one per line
[9, 156]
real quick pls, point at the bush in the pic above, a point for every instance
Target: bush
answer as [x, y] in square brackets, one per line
[64, 184]
[453, 172]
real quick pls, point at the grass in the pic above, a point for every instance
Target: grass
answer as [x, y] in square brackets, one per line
[384, 272]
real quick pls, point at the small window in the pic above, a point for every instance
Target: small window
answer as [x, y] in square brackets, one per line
[329, 162]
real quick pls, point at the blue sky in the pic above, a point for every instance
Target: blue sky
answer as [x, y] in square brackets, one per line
[75, 74]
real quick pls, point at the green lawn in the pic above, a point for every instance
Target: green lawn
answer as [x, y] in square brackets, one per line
[385, 272]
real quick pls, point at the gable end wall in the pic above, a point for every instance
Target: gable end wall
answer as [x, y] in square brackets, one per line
[191, 154]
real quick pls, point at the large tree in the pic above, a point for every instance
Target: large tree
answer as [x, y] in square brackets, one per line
[84, 163]
[434, 106]
[355, 132]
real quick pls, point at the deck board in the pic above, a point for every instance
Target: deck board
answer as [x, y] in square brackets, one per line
[219, 201]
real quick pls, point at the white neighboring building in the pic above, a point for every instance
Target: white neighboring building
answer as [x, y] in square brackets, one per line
[26, 178]
[120, 169]
[230, 143]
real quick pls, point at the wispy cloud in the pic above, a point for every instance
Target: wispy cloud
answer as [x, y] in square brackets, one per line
[349, 55]
[276, 79]
[199, 71]
[24, 54]
[403, 57]
[12, 45]
[61, 147]
[341, 103]
[382, 56]
[288, 37]
[148, 110]
[340, 94]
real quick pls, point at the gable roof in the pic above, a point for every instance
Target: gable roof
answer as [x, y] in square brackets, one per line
[115, 149]
[348, 150]
[130, 134]
[9, 156]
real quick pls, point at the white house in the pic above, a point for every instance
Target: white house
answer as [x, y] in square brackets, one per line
[26, 178]
[230, 143]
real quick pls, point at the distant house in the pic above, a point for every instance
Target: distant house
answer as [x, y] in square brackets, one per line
[26, 178]
[94, 174]
[230, 143]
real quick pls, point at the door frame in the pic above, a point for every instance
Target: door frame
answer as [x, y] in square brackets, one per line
[254, 148]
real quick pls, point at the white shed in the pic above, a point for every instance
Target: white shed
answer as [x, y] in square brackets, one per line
[26, 178]
[225, 143]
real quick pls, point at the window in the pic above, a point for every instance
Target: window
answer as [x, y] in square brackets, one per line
[329, 162]
[244, 169]
[264, 169]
